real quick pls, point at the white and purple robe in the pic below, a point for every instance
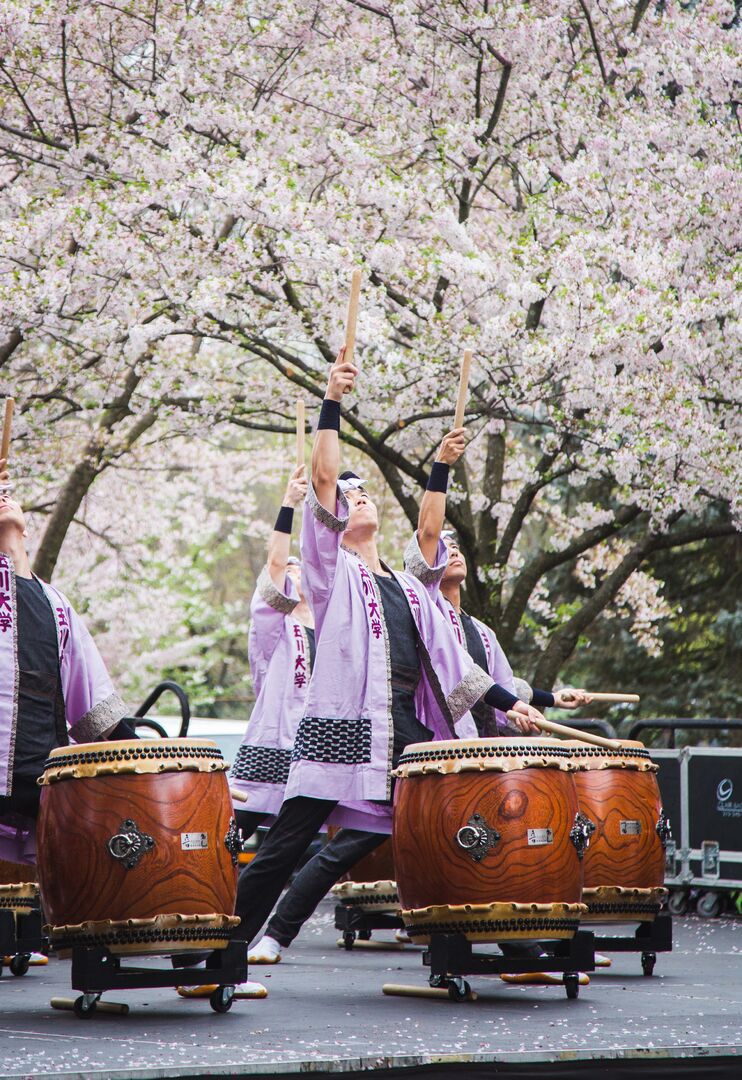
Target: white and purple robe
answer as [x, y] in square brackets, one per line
[92, 706]
[344, 744]
[279, 655]
[498, 665]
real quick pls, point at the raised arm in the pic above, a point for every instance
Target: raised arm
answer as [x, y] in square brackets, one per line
[433, 503]
[279, 545]
[326, 449]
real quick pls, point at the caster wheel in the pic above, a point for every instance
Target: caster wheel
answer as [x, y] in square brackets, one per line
[649, 959]
[364, 935]
[349, 938]
[572, 986]
[19, 964]
[84, 1006]
[709, 905]
[221, 999]
[458, 989]
[677, 903]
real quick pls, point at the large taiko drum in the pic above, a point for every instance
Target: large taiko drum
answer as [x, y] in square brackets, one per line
[137, 846]
[625, 861]
[370, 886]
[488, 839]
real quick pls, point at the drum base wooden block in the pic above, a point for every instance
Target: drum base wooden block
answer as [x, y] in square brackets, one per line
[369, 896]
[162, 935]
[608, 903]
[495, 922]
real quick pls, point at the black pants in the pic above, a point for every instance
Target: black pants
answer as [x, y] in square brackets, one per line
[316, 878]
[261, 883]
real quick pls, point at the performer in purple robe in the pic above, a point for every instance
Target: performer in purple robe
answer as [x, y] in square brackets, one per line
[53, 684]
[281, 652]
[479, 640]
[387, 673]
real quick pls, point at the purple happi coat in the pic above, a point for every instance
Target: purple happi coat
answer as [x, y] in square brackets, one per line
[343, 748]
[91, 704]
[278, 651]
[498, 665]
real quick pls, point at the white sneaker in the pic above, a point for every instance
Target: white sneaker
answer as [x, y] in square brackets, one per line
[602, 961]
[267, 951]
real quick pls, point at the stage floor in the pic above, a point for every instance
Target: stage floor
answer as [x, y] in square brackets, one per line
[326, 1014]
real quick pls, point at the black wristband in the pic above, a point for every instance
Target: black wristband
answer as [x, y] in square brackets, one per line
[438, 479]
[285, 520]
[497, 697]
[329, 416]
[542, 699]
[123, 730]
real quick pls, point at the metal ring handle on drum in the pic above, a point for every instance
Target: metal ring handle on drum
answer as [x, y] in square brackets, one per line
[476, 838]
[129, 844]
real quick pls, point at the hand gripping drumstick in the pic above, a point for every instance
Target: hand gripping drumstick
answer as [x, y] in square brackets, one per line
[571, 733]
[458, 418]
[352, 319]
[5, 445]
[299, 431]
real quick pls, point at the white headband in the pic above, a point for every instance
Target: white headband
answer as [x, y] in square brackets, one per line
[352, 483]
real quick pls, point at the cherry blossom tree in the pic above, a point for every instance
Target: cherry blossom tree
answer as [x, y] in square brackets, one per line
[186, 185]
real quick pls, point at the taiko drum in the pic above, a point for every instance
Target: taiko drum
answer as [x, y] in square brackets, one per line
[625, 862]
[488, 839]
[137, 846]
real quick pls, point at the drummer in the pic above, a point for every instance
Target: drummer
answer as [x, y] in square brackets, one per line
[53, 683]
[281, 653]
[387, 673]
[479, 640]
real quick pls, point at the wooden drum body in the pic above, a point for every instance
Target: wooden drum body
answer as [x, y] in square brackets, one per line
[625, 862]
[488, 839]
[138, 846]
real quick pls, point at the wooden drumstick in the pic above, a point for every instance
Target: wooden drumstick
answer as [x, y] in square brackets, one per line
[402, 990]
[300, 428]
[458, 417]
[5, 444]
[240, 796]
[352, 318]
[571, 733]
[632, 698]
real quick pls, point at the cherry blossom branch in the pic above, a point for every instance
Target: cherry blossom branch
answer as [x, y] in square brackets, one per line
[596, 47]
[67, 97]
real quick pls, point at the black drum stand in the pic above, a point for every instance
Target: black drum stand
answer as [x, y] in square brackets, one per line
[20, 935]
[95, 970]
[451, 956]
[648, 939]
[354, 923]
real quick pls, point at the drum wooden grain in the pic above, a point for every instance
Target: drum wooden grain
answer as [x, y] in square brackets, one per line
[79, 878]
[625, 849]
[522, 866]
[137, 845]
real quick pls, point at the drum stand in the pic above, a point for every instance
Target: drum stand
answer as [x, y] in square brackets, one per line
[20, 935]
[95, 970]
[354, 923]
[649, 938]
[451, 956]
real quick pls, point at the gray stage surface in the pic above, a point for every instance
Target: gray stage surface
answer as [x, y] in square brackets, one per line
[326, 1013]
